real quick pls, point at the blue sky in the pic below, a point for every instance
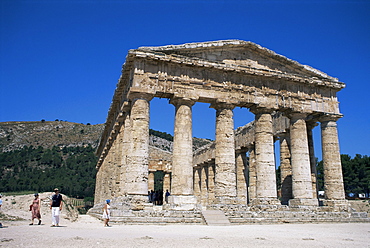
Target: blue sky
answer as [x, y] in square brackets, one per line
[62, 59]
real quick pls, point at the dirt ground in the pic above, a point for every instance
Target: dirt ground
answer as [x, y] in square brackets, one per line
[90, 232]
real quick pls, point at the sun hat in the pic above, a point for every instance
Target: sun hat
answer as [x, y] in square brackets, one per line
[108, 201]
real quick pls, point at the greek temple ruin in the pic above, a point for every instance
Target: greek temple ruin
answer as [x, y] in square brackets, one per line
[236, 174]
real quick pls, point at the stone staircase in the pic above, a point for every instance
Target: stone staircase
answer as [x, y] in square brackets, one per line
[215, 218]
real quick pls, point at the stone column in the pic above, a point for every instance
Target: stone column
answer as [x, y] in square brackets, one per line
[310, 126]
[204, 185]
[300, 160]
[225, 177]
[167, 182]
[126, 151]
[98, 186]
[211, 183]
[151, 180]
[252, 178]
[182, 196]
[265, 159]
[241, 183]
[333, 177]
[197, 182]
[285, 169]
[137, 170]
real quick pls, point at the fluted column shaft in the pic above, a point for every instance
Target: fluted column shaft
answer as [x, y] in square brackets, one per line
[264, 154]
[137, 170]
[126, 151]
[252, 179]
[225, 177]
[204, 185]
[300, 159]
[310, 126]
[333, 178]
[182, 156]
[241, 184]
[285, 169]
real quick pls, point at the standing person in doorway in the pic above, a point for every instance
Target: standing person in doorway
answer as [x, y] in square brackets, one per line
[56, 204]
[106, 212]
[167, 194]
[35, 209]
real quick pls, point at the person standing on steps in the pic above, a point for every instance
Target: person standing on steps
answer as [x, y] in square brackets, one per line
[106, 212]
[35, 209]
[56, 205]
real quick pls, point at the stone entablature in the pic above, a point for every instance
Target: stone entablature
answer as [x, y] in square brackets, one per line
[287, 98]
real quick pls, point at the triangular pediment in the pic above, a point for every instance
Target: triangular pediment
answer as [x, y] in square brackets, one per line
[240, 53]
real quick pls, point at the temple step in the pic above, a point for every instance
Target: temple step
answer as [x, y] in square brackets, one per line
[215, 218]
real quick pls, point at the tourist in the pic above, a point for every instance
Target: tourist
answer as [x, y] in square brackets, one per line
[35, 209]
[106, 212]
[166, 196]
[56, 204]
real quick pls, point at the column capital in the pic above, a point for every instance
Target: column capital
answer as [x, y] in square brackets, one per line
[176, 101]
[219, 104]
[261, 110]
[329, 117]
[140, 95]
[311, 124]
[296, 115]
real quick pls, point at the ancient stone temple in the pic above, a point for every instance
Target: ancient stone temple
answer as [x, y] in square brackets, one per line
[236, 174]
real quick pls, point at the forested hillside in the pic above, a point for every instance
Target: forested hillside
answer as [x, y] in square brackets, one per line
[72, 169]
[41, 155]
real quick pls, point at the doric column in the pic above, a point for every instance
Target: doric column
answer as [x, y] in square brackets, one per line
[151, 180]
[252, 177]
[285, 169]
[225, 177]
[310, 127]
[98, 186]
[197, 182]
[137, 170]
[126, 151]
[241, 184]
[300, 160]
[211, 183]
[333, 178]
[182, 155]
[265, 158]
[182, 195]
[167, 182]
[204, 185]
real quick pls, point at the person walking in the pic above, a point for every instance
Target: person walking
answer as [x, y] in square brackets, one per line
[106, 212]
[35, 209]
[56, 205]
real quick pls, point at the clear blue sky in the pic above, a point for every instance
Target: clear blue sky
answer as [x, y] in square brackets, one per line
[62, 59]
